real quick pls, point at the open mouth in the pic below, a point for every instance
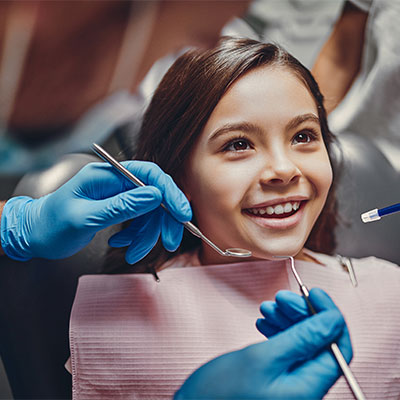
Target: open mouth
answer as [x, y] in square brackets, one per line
[283, 210]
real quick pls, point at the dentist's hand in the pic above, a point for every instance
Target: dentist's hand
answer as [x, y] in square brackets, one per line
[294, 364]
[63, 222]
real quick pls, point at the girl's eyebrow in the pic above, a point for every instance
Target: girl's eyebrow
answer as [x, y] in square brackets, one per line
[252, 128]
[239, 126]
[299, 119]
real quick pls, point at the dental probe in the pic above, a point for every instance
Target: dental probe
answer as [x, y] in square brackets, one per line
[232, 252]
[348, 374]
[377, 213]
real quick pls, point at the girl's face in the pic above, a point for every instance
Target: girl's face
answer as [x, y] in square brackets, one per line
[259, 174]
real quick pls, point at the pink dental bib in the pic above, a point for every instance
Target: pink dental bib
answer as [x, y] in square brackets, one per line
[134, 338]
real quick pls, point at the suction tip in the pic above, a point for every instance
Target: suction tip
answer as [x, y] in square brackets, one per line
[370, 216]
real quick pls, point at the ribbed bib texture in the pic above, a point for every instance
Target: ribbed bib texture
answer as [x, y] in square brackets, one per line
[133, 338]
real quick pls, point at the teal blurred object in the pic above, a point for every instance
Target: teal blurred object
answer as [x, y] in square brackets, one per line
[97, 124]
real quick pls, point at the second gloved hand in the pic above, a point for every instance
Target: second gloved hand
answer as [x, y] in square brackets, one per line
[63, 222]
[293, 364]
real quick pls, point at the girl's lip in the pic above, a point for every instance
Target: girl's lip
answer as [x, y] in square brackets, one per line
[278, 223]
[281, 200]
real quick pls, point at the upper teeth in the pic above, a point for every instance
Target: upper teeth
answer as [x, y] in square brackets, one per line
[277, 209]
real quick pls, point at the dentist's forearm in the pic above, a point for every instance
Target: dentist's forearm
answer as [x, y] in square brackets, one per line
[1, 212]
[339, 60]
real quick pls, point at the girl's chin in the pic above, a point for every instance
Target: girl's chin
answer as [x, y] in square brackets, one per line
[287, 248]
[271, 254]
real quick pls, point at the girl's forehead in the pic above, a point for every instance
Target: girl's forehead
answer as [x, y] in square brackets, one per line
[268, 80]
[268, 93]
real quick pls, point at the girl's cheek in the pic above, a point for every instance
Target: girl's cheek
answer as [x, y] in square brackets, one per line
[318, 170]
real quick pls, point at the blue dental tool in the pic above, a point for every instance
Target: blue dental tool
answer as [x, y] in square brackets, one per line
[376, 214]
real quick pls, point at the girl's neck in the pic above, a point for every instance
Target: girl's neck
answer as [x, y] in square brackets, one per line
[304, 255]
[205, 259]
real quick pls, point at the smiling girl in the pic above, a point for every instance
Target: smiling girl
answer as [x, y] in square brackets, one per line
[242, 130]
[256, 161]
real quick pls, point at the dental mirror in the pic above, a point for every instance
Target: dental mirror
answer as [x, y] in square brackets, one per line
[232, 252]
[237, 252]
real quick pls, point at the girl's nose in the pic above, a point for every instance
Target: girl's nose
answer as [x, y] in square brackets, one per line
[280, 170]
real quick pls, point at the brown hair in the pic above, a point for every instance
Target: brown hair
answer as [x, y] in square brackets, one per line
[184, 101]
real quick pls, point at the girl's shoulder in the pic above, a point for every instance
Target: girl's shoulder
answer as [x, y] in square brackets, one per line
[366, 265]
[187, 259]
[375, 262]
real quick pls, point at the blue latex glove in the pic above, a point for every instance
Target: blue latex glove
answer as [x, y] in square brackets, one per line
[293, 364]
[63, 222]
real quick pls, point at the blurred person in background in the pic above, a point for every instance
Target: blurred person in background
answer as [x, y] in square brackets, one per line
[358, 70]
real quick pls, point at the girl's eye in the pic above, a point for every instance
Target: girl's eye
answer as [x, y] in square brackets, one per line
[304, 137]
[237, 145]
